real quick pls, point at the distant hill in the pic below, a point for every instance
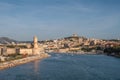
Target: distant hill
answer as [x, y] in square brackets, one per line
[6, 40]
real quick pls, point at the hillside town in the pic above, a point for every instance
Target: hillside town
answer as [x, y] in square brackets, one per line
[72, 44]
[80, 45]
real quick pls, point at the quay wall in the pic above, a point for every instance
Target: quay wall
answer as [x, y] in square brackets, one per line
[11, 51]
[13, 63]
[26, 51]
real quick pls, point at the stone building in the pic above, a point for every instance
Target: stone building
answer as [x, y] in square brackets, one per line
[34, 50]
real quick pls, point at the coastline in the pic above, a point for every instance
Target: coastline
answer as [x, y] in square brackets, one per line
[14, 63]
[76, 52]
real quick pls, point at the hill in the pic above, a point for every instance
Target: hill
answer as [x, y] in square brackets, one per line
[6, 40]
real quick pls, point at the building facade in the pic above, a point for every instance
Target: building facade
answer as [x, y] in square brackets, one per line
[34, 50]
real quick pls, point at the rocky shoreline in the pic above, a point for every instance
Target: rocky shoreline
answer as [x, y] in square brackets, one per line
[13, 63]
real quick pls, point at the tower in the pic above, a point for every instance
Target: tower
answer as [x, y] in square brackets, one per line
[35, 40]
[37, 50]
[35, 46]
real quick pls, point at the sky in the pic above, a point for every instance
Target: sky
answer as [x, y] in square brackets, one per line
[52, 19]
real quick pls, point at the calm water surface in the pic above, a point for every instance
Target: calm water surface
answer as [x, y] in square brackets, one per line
[66, 67]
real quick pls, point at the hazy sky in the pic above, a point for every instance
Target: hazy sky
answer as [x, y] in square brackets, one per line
[50, 19]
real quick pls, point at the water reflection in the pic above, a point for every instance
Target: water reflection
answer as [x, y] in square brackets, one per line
[66, 67]
[36, 66]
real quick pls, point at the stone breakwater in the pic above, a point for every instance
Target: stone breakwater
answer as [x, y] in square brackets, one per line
[13, 63]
